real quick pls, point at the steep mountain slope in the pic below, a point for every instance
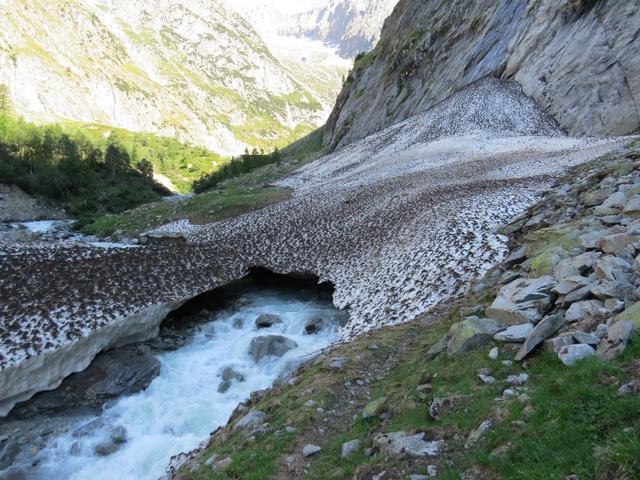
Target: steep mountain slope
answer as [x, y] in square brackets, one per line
[577, 58]
[194, 69]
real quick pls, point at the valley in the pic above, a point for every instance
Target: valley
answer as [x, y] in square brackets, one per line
[427, 269]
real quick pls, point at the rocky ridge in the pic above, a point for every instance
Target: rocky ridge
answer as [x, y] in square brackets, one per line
[576, 58]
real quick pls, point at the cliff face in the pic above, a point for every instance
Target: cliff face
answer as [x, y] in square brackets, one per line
[578, 59]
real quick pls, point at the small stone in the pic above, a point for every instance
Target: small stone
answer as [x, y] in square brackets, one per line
[119, 435]
[432, 471]
[222, 464]
[251, 420]
[314, 325]
[212, 459]
[470, 333]
[403, 444]
[487, 379]
[267, 320]
[476, 435]
[493, 353]
[310, 449]
[338, 363]
[570, 354]
[517, 379]
[351, 447]
[507, 363]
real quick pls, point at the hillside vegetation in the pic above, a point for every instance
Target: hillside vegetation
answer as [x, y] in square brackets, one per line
[92, 171]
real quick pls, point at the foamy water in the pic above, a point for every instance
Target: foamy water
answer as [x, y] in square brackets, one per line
[182, 406]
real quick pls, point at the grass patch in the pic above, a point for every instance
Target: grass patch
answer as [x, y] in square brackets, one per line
[205, 208]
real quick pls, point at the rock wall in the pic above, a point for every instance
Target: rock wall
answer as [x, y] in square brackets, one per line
[576, 58]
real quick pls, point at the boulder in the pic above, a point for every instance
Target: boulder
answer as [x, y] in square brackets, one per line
[523, 301]
[472, 332]
[313, 326]
[610, 267]
[553, 345]
[617, 244]
[516, 257]
[267, 320]
[565, 268]
[543, 330]
[606, 289]
[350, 447]
[270, 345]
[228, 375]
[570, 354]
[514, 333]
[546, 262]
[570, 284]
[590, 240]
[632, 207]
[586, 309]
[615, 341]
[309, 450]
[402, 444]
[588, 338]
[582, 293]
[251, 420]
[632, 314]
[585, 262]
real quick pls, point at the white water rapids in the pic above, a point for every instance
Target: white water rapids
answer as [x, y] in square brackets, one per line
[182, 406]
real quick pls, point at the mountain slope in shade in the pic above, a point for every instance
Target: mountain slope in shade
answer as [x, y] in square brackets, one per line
[192, 69]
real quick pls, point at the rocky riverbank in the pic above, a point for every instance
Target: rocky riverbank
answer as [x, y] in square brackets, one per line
[534, 373]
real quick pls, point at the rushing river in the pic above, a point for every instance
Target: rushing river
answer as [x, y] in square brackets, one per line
[182, 406]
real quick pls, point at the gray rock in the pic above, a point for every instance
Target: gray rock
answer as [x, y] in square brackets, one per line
[586, 309]
[310, 449]
[516, 257]
[523, 301]
[270, 345]
[570, 284]
[515, 333]
[554, 344]
[585, 262]
[111, 375]
[351, 447]
[518, 379]
[338, 363]
[493, 353]
[267, 320]
[632, 207]
[588, 338]
[106, 448]
[547, 327]
[564, 269]
[616, 244]
[118, 435]
[590, 240]
[614, 305]
[582, 293]
[606, 289]
[9, 450]
[432, 471]
[475, 436]
[487, 379]
[615, 341]
[610, 267]
[314, 325]
[471, 333]
[251, 420]
[403, 444]
[13, 473]
[570, 354]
